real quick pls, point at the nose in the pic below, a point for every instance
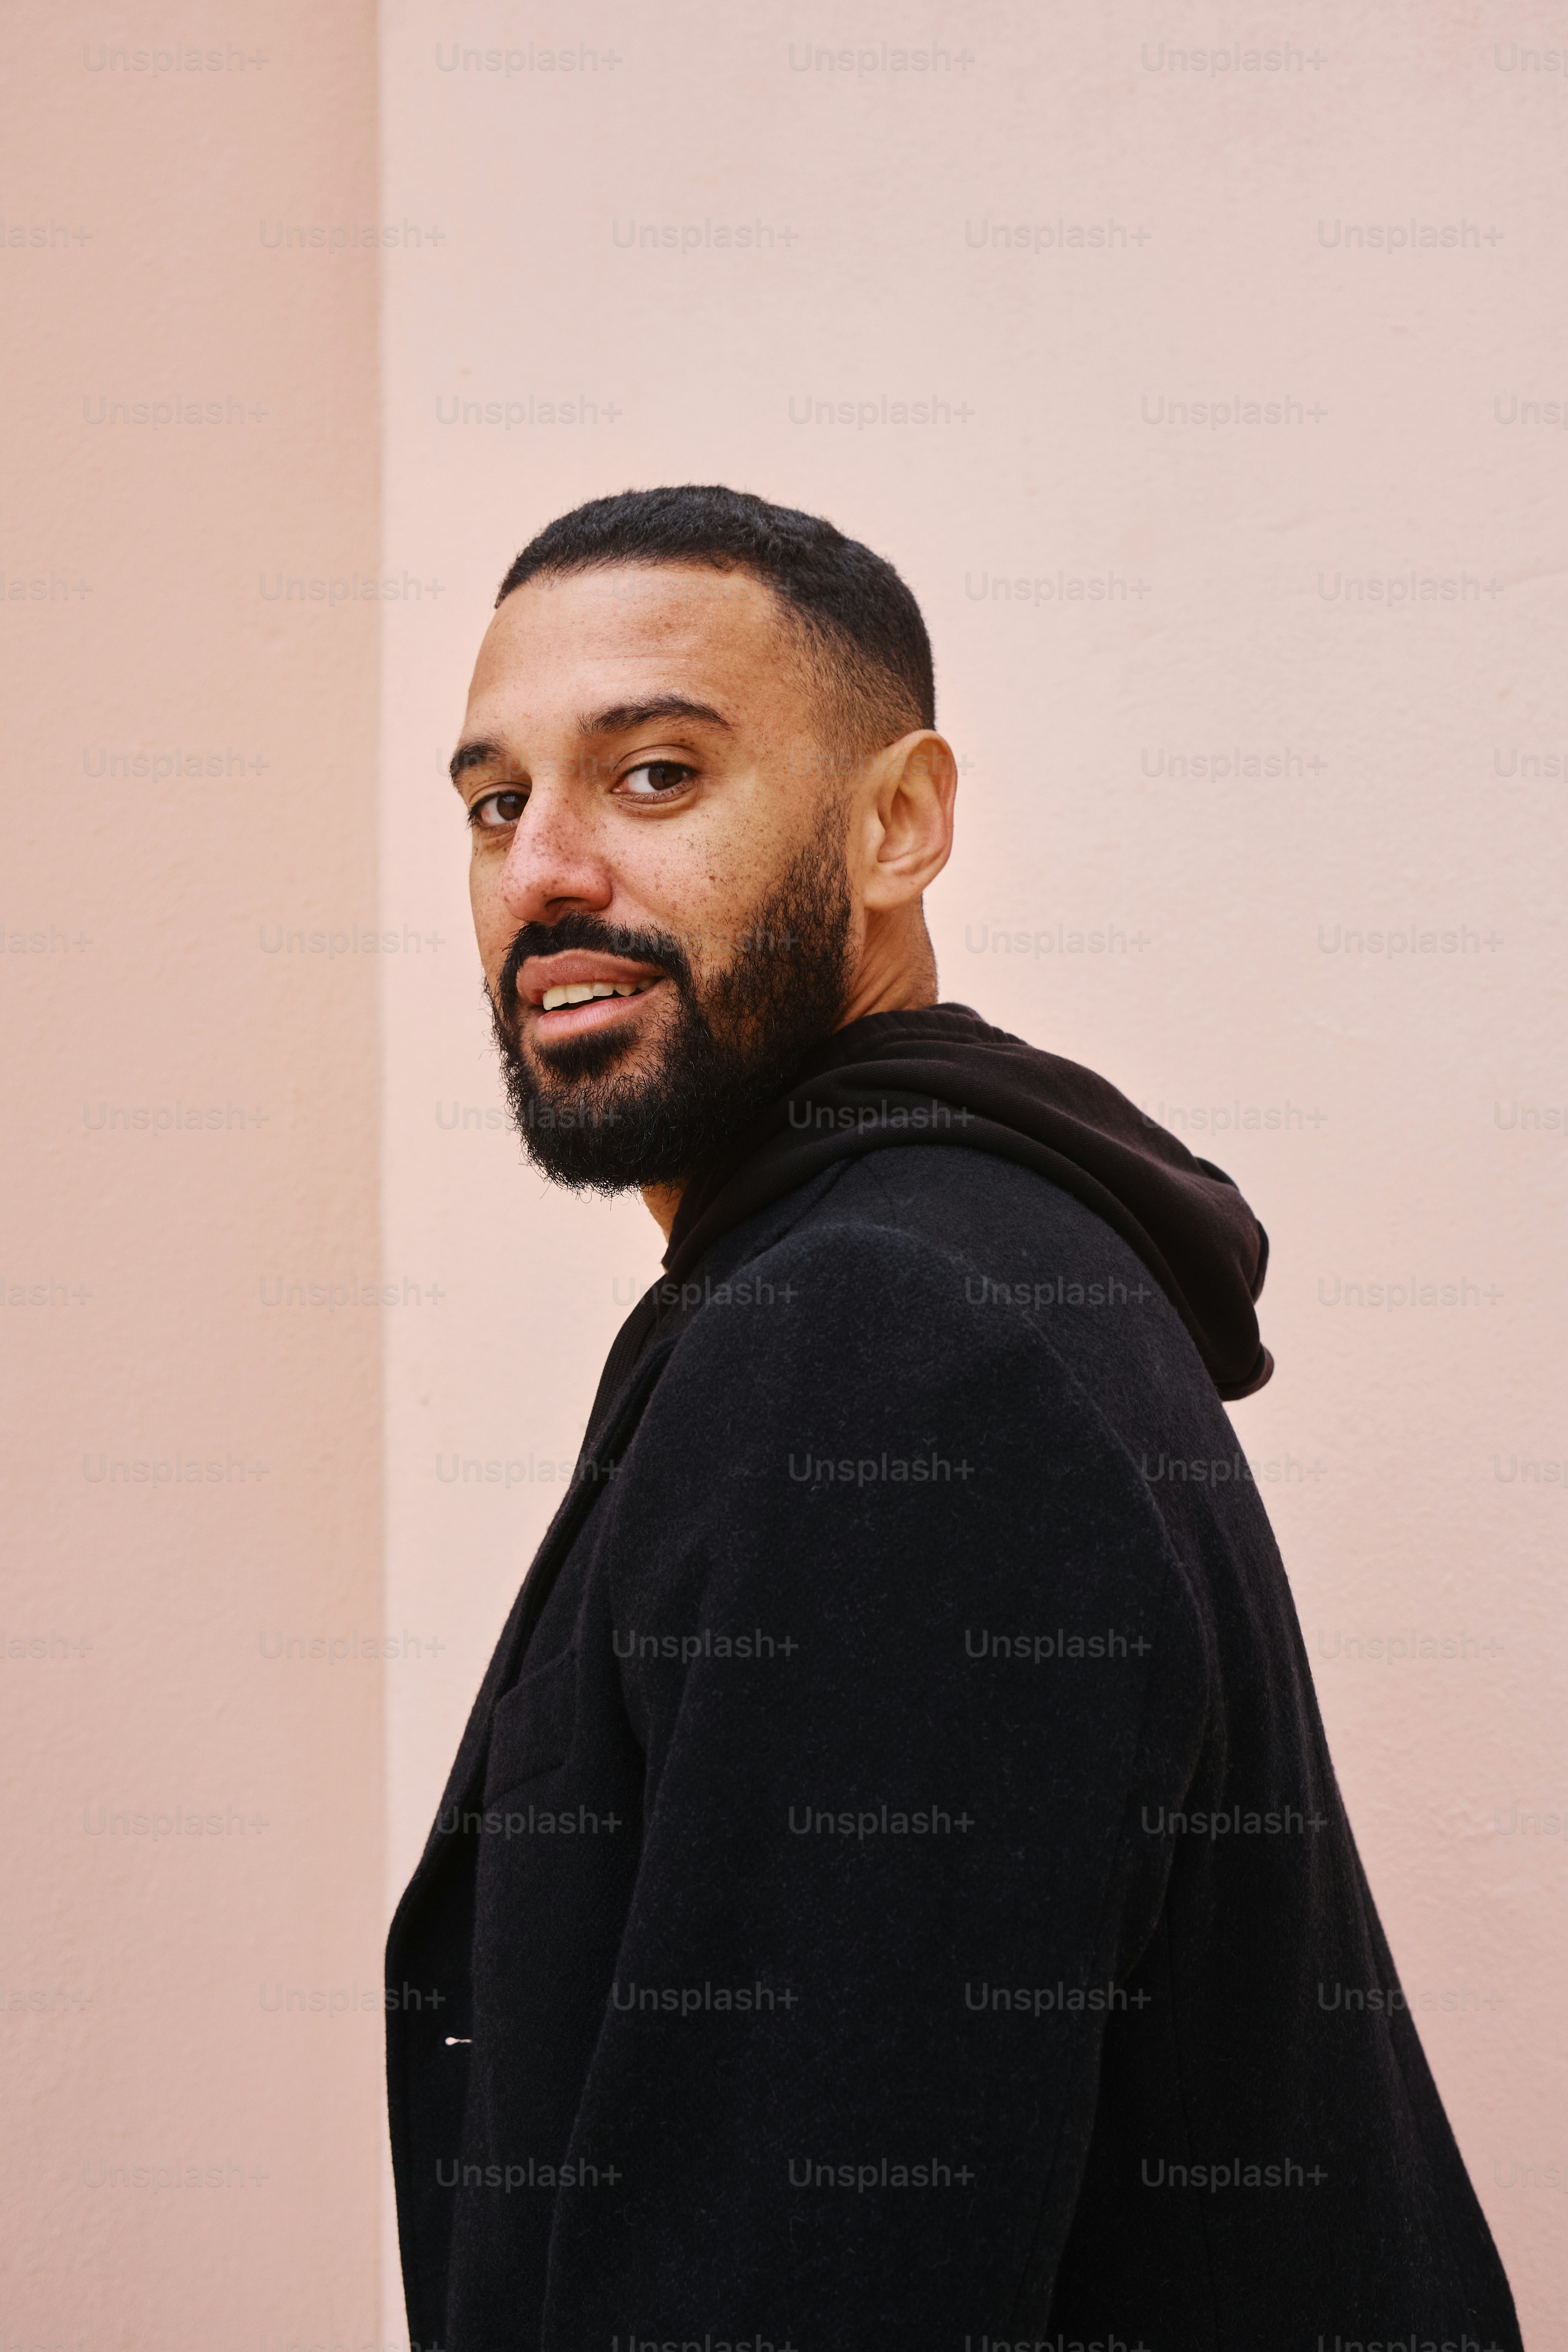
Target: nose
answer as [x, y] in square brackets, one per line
[555, 862]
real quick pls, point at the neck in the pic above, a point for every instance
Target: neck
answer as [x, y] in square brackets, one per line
[663, 1200]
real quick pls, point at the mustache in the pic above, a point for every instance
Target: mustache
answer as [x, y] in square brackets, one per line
[588, 931]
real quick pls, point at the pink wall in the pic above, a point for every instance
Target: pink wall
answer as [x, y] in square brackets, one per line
[1400, 1095]
[194, 1824]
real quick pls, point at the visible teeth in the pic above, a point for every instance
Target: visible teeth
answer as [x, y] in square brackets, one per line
[580, 992]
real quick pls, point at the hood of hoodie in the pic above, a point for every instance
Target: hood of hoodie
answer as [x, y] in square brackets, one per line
[943, 1075]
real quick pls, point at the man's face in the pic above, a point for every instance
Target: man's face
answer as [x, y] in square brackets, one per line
[654, 819]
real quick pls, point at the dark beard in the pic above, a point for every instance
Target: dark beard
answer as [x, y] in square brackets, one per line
[733, 1042]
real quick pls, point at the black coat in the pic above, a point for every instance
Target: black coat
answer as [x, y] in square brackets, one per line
[892, 1890]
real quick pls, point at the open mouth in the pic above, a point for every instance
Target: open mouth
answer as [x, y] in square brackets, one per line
[574, 1006]
[581, 991]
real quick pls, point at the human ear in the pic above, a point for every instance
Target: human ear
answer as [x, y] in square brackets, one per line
[909, 833]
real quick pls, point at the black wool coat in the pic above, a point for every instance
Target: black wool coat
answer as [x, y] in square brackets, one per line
[893, 1890]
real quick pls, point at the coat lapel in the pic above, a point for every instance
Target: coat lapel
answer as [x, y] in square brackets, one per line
[600, 1450]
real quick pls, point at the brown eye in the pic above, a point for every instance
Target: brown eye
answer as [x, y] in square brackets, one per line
[497, 811]
[661, 777]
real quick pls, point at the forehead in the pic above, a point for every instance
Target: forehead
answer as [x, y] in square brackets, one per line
[566, 644]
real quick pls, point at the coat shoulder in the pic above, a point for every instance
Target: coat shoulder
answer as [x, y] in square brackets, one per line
[851, 1334]
[932, 1247]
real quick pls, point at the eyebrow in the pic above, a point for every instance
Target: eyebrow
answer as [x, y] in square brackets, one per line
[619, 719]
[478, 754]
[622, 717]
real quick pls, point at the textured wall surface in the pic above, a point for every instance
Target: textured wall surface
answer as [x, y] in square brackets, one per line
[192, 1451]
[1214, 411]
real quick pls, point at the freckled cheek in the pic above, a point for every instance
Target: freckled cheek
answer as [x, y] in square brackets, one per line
[713, 875]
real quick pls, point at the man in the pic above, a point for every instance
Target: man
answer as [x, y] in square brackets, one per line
[892, 1890]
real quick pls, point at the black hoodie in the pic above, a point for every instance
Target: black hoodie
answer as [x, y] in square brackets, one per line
[943, 1075]
[892, 1889]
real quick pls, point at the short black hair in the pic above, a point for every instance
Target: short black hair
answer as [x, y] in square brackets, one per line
[861, 629]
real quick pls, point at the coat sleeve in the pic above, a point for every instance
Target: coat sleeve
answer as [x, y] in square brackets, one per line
[911, 1660]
